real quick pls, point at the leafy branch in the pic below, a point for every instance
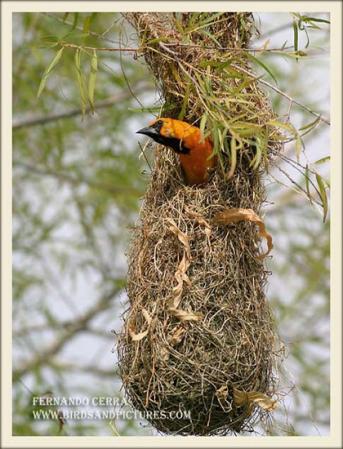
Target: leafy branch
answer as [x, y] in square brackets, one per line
[120, 96]
[202, 78]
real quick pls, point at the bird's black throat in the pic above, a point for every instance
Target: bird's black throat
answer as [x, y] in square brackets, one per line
[172, 142]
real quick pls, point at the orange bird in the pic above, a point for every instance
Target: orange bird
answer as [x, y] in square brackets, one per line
[193, 150]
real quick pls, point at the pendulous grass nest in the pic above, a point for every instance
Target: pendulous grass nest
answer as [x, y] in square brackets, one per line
[220, 337]
[198, 335]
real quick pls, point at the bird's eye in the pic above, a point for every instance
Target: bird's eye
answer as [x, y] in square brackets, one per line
[158, 125]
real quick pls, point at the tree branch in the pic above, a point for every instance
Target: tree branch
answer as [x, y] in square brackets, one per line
[110, 49]
[78, 325]
[116, 190]
[86, 369]
[121, 96]
[176, 44]
[39, 328]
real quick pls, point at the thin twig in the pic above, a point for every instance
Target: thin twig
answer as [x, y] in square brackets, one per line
[111, 49]
[237, 49]
[301, 170]
[280, 28]
[297, 185]
[124, 74]
[144, 155]
[291, 161]
[283, 94]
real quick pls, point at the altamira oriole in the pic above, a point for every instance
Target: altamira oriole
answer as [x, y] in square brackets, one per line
[194, 151]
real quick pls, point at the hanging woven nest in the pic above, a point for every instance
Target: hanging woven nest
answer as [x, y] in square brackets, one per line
[198, 336]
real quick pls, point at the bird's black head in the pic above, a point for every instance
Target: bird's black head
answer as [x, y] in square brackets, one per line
[153, 131]
[161, 132]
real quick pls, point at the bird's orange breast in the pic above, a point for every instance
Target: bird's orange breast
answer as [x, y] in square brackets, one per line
[198, 162]
[198, 159]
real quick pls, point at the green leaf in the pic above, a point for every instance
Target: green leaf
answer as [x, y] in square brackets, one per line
[80, 80]
[178, 23]
[310, 125]
[263, 65]
[92, 79]
[323, 195]
[323, 160]
[300, 53]
[298, 145]
[233, 157]
[203, 122]
[246, 129]
[185, 102]
[204, 63]
[87, 23]
[258, 156]
[292, 130]
[206, 22]
[295, 36]
[314, 19]
[233, 73]
[216, 142]
[212, 17]
[156, 40]
[47, 72]
[261, 148]
[292, 54]
[215, 138]
[245, 83]
[210, 36]
[216, 148]
[76, 19]
[307, 183]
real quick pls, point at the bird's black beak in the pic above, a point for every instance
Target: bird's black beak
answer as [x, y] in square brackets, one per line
[148, 131]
